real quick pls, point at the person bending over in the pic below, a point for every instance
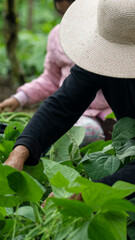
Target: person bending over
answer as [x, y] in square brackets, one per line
[99, 36]
[56, 68]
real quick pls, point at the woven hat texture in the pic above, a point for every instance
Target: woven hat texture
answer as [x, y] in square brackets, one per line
[99, 36]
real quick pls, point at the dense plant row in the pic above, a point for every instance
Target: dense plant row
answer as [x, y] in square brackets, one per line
[66, 170]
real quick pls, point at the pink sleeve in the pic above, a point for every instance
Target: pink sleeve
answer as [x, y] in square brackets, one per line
[48, 82]
[21, 97]
[99, 107]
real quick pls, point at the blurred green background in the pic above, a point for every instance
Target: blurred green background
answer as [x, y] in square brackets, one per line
[35, 20]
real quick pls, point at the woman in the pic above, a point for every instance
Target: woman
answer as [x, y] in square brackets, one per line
[112, 71]
[56, 68]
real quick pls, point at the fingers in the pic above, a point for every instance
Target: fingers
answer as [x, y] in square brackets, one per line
[51, 194]
[11, 103]
[73, 197]
[77, 197]
[44, 203]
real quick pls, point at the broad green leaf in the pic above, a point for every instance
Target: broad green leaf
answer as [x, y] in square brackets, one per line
[27, 212]
[9, 211]
[4, 184]
[5, 149]
[59, 180]
[36, 171]
[67, 147]
[95, 147]
[1, 137]
[80, 233]
[68, 164]
[73, 208]
[26, 187]
[3, 211]
[128, 149]
[109, 149]
[51, 168]
[1, 148]
[98, 165]
[97, 194]
[112, 164]
[13, 130]
[118, 205]
[9, 201]
[124, 188]
[111, 115]
[124, 129]
[120, 189]
[13, 181]
[9, 223]
[109, 225]
[77, 133]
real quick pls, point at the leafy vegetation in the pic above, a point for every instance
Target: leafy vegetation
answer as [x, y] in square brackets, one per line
[66, 170]
[32, 41]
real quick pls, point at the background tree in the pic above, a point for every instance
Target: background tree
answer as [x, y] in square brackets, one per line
[24, 42]
[30, 14]
[10, 33]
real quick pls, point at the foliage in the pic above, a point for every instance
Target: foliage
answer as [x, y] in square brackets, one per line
[4, 62]
[32, 50]
[66, 169]
[11, 126]
[32, 43]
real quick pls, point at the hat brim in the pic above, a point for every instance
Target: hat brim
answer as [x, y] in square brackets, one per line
[83, 44]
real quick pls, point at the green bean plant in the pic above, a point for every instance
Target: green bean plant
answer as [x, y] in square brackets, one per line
[66, 169]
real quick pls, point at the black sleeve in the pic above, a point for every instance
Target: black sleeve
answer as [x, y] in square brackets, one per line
[59, 112]
[127, 174]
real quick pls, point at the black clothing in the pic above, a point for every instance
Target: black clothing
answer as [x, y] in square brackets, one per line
[60, 111]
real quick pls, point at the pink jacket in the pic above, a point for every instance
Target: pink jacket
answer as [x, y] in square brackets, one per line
[56, 68]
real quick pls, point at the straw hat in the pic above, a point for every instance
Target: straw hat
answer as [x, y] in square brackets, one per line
[99, 36]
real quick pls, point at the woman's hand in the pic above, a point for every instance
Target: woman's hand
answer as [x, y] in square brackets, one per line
[17, 157]
[73, 197]
[11, 103]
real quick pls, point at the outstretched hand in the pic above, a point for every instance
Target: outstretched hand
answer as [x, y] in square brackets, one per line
[11, 103]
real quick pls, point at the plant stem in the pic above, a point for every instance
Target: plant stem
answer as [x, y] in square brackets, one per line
[15, 221]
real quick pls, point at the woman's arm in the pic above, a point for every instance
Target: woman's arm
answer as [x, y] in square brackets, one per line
[58, 113]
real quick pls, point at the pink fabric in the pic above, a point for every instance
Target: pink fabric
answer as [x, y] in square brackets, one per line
[21, 97]
[56, 68]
